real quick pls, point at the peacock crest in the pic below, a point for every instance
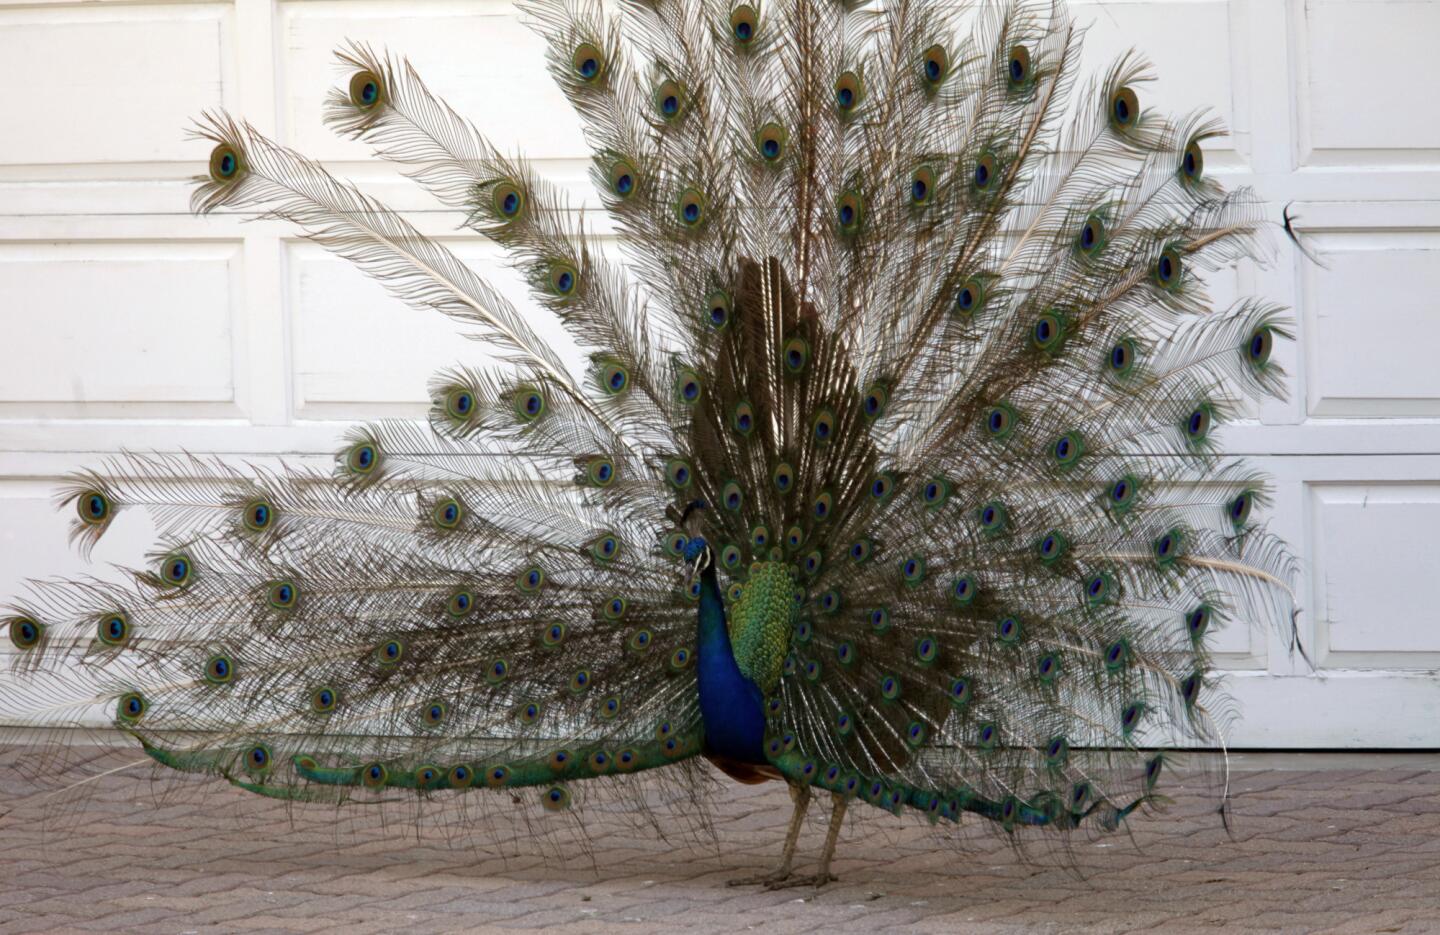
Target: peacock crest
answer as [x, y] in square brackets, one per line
[890, 473]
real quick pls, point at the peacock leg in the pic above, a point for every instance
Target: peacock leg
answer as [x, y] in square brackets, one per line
[800, 795]
[822, 875]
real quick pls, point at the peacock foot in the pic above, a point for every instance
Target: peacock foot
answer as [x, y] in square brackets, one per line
[816, 880]
[772, 880]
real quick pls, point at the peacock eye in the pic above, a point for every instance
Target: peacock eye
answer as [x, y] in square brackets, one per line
[365, 89]
[848, 92]
[93, 507]
[1018, 67]
[1124, 107]
[588, 62]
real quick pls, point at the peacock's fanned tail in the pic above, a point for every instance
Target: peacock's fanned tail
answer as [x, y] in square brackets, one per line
[909, 326]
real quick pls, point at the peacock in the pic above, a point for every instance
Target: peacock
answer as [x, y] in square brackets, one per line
[889, 469]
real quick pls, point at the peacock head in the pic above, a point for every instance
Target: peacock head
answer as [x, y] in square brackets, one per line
[698, 554]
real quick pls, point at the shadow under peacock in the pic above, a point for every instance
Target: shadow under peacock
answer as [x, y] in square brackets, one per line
[891, 474]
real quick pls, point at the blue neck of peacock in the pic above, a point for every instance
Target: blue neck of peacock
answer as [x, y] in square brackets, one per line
[730, 704]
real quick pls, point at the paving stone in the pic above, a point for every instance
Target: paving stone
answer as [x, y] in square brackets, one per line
[1349, 850]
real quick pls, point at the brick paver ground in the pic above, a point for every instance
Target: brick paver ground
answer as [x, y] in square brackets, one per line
[1352, 850]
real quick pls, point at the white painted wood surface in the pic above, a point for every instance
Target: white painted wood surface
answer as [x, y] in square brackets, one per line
[124, 321]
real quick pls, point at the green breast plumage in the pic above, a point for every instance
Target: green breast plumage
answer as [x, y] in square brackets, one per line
[761, 615]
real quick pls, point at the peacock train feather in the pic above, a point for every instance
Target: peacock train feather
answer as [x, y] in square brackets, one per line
[891, 474]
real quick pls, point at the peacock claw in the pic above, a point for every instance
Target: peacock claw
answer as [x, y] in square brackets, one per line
[816, 880]
[773, 880]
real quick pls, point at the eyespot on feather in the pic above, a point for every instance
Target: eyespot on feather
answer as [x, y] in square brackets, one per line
[1121, 359]
[447, 514]
[528, 403]
[690, 208]
[176, 570]
[849, 213]
[226, 164]
[1196, 424]
[1258, 346]
[257, 515]
[1121, 494]
[131, 708]
[614, 378]
[1169, 269]
[1048, 332]
[1117, 655]
[822, 426]
[935, 493]
[1167, 547]
[688, 386]
[670, 102]
[744, 24]
[1124, 109]
[795, 355]
[1066, 450]
[258, 760]
[970, 297]
[367, 90]
[883, 487]
[458, 404]
[964, 590]
[718, 309]
[1239, 508]
[219, 669]
[25, 632]
[732, 498]
[588, 63]
[1001, 421]
[679, 473]
[562, 280]
[530, 579]
[1017, 68]
[849, 92]
[934, 66]
[742, 418]
[922, 186]
[1192, 162]
[362, 458]
[623, 178]
[605, 548]
[324, 699]
[770, 141]
[984, 176]
[1092, 236]
[783, 477]
[460, 603]
[599, 471]
[1052, 547]
[994, 518]
[389, 652]
[1197, 621]
[113, 629]
[374, 776]
[93, 507]
[1099, 589]
[432, 714]
[875, 400]
[507, 201]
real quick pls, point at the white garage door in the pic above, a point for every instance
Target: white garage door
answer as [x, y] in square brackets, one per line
[126, 322]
